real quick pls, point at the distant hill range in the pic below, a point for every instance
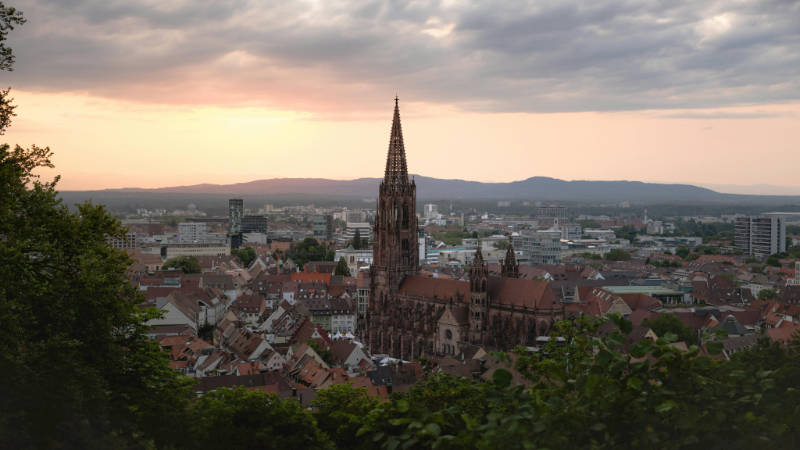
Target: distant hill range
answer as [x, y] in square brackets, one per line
[535, 188]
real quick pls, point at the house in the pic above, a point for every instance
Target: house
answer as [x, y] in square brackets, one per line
[191, 307]
[249, 307]
[348, 354]
[784, 333]
[247, 345]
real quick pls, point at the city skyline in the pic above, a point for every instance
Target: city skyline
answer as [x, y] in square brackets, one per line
[192, 93]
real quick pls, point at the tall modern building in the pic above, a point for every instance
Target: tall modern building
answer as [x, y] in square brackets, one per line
[235, 212]
[761, 235]
[254, 224]
[323, 227]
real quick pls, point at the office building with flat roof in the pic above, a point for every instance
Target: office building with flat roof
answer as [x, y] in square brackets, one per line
[761, 235]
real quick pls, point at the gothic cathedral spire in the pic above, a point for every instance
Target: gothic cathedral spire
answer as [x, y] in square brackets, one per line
[396, 168]
[395, 250]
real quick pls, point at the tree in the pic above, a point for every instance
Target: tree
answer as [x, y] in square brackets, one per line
[241, 418]
[340, 412]
[66, 308]
[774, 260]
[9, 17]
[501, 245]
[309, 249]
[246, 255]
[357, 239]
[599, 392]
[188, 264]
[670, 323]
[589, 224]
[618, 254]
[767, 294]
[341, 268]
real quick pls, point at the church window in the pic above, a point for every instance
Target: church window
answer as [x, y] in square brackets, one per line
[448, 334]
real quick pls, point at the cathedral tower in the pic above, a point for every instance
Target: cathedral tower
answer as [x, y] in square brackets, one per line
[479, 300]
[395, 252]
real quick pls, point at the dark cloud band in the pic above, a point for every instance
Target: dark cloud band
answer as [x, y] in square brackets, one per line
[495, 56]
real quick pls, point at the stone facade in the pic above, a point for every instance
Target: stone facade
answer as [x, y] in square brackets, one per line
[410, 315]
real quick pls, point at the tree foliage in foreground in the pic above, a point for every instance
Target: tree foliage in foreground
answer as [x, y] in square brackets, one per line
[76, 370]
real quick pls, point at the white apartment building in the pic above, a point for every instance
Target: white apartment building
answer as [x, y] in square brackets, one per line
[539, 247]
[191, 232]
[173, 250]
[354, 258]
[761, 235]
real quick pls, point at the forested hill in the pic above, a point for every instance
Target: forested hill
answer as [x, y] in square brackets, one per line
[535, 188]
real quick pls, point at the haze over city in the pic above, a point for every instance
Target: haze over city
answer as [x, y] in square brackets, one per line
[151, 94]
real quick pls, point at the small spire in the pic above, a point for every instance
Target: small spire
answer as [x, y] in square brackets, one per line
[478, 254]
[510, 268]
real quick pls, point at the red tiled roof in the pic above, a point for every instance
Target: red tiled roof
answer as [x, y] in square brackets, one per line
[302, 277]
[521, 293]
[425, 287]
[641, 301]
[784, 333]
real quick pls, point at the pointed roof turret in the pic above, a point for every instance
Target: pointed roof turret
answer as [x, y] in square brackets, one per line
[510, 267]
[396, 169]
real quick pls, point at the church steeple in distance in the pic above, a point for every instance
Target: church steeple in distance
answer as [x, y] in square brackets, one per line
[396, 168]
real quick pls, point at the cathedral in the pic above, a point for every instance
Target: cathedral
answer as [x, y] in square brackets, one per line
[410, 315]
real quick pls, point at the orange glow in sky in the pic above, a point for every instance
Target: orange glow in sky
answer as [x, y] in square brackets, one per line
[101, 143]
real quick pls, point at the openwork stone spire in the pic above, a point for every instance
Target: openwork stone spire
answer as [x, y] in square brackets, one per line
[396, 169]
[510, 267]
[478, 259]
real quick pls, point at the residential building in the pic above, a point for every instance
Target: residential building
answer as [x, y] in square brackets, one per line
[355, 259]
[254, 224]
[191, 232]
[761, 235]
[364, 230]
[551, 212]
[199, 249]
[431, 211]
[128, 241]
[235, 213]
[600, 233]
[323, 227]
[570, 231]
[539, 247]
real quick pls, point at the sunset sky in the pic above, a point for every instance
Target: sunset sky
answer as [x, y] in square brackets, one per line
[161, 93]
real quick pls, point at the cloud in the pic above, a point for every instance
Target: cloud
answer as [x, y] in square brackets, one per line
[329, 56]
[728, 115]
